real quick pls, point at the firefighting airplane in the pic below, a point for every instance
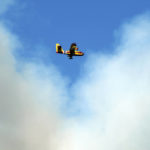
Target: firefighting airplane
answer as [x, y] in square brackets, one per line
[73, 51]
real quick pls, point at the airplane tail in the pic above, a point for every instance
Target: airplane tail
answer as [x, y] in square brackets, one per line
[59, 49]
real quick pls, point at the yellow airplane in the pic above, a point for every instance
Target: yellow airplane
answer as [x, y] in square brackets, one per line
[73, 51]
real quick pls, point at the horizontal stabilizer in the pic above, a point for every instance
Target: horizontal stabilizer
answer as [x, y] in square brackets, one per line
[59, 49]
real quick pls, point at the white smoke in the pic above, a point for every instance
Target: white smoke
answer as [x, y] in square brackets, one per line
[112, 98]
[115, 90]
[4, 5]
[29, 115]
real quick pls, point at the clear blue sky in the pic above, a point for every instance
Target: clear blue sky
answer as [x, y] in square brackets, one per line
[40, 24]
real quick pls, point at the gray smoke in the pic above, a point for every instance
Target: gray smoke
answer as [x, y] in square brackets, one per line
[112, 96]
[29, 115]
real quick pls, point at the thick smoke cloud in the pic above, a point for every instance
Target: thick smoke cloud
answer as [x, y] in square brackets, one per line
[29, 115]
[116, 92]
[112, 98]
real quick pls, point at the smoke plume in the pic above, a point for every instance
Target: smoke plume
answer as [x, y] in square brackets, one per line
[112, 98]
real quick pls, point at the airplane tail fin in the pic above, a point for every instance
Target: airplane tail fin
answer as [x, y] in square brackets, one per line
[59, 49]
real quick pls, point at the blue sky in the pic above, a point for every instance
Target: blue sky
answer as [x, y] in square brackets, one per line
[91, 24]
